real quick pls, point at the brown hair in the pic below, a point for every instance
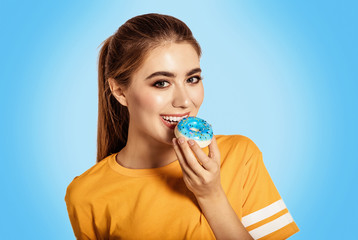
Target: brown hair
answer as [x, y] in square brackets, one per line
[120, 56]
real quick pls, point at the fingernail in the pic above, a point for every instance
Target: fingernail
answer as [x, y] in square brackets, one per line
[191, 142]
[181, 140]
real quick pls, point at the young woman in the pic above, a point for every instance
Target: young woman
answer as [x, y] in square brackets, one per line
[147, 184]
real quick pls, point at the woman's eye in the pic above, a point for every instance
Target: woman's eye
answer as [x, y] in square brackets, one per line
[195, 79]
[164, 84]
[160, 84]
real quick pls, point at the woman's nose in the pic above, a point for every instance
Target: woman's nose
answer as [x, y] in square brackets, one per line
[181, 98]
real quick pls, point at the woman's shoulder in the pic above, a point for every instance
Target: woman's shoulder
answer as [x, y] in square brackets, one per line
[85, 182]
[236, 150]
[236, 141]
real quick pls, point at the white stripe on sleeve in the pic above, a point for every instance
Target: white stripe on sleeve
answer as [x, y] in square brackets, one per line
[272, 226]
[263, 213]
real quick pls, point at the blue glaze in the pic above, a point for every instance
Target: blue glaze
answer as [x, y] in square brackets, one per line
[203, 130]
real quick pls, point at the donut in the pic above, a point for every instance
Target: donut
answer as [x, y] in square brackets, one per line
[194, 128]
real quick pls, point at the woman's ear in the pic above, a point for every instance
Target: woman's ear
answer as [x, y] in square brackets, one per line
[117, 92]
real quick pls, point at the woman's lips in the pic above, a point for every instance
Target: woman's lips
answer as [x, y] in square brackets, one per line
[171, 126]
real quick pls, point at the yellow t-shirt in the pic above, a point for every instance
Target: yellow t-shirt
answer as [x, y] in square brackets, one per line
[109, 201]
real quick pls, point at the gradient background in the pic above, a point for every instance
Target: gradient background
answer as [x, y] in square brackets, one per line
[283, 73]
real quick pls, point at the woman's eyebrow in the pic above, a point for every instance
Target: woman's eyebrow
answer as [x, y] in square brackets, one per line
[169, 74]
[195, 70]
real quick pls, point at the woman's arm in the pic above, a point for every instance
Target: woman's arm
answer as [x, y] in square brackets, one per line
[203, 179]
[222, 218]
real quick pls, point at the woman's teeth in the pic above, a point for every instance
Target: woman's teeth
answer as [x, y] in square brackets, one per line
[173, 119]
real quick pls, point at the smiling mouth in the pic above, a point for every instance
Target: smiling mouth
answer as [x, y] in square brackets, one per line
[171, 121]
[175, 117]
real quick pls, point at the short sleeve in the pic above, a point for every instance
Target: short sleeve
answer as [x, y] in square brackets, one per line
[265, 215]
[80, 214]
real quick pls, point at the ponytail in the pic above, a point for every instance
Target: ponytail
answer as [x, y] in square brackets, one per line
[113, 118]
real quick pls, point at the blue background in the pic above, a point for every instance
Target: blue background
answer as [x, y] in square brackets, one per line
[283, 73]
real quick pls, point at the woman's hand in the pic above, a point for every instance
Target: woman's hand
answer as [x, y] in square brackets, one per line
[201, 173]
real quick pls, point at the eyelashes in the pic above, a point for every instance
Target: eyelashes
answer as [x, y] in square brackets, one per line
[159, 84]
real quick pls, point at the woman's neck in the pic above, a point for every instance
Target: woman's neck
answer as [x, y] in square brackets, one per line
[140, 153]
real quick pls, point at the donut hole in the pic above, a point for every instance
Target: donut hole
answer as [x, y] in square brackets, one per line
[194, 129]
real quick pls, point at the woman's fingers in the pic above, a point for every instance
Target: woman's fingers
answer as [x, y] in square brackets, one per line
[190, 158]
[214, 152]
[189, 153]
[184, 165]
[208, 163]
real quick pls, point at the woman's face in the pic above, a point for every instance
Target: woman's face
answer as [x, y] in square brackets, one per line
[168, 83]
